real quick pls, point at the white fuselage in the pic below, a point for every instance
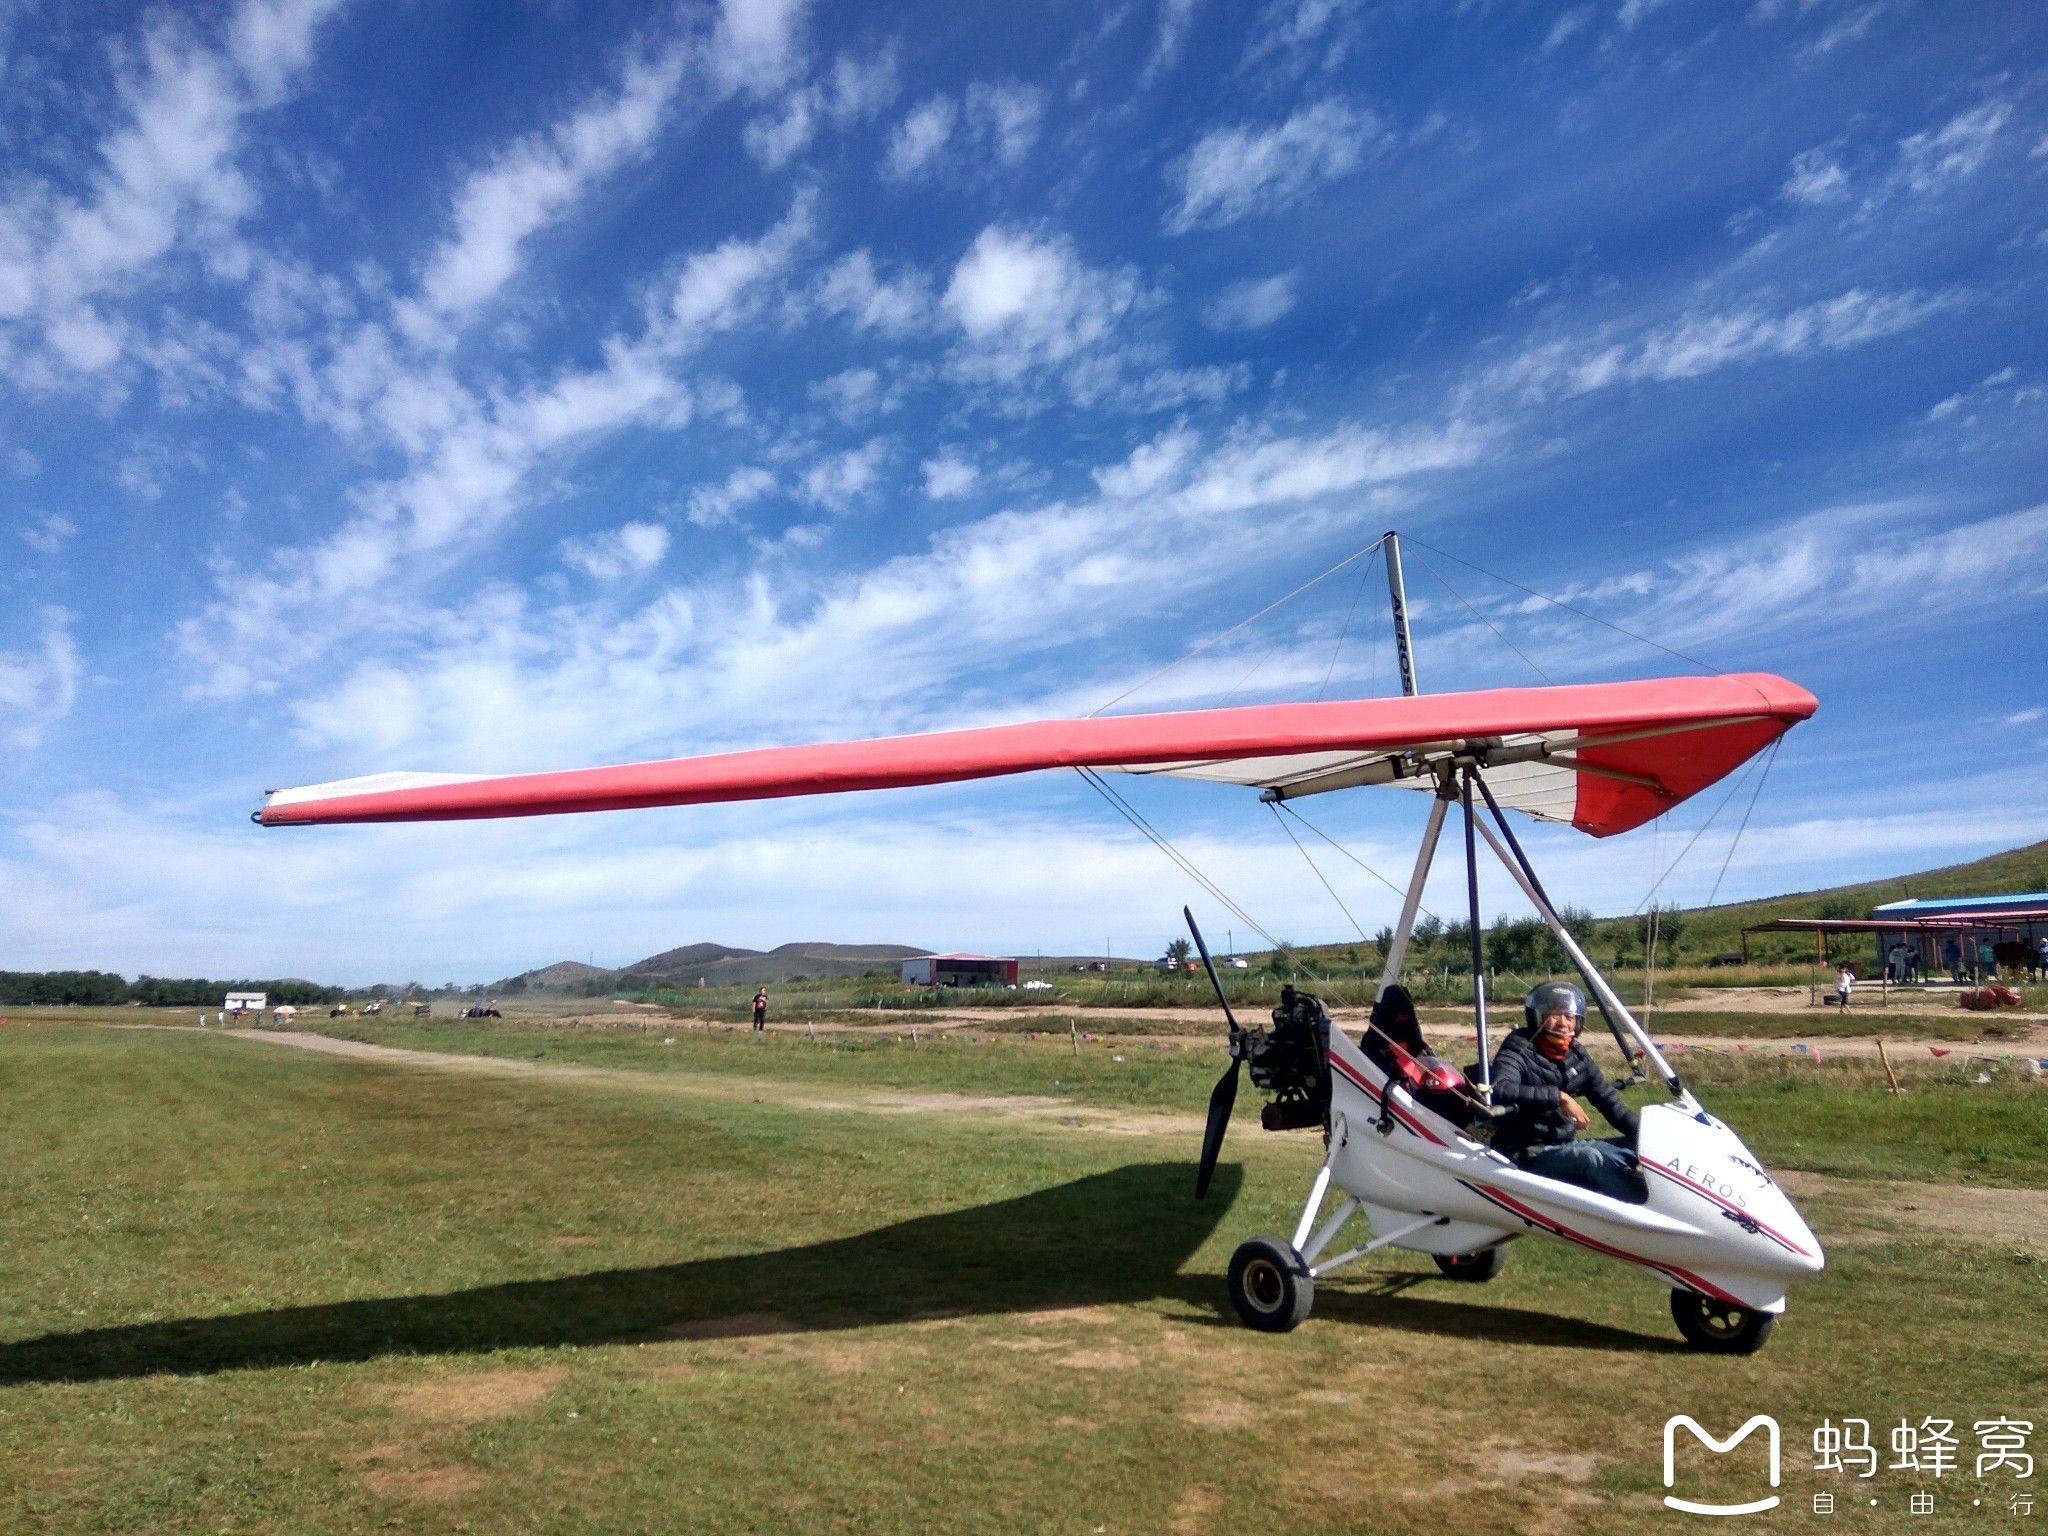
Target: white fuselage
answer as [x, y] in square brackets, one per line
[1715, 1222]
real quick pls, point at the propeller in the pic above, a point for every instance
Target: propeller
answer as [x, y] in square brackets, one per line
[1224, 1095]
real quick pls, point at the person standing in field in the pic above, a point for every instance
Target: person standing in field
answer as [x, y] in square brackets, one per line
[761, 1009]
[1845, 983]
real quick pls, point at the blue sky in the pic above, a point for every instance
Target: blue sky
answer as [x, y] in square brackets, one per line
[500, 387]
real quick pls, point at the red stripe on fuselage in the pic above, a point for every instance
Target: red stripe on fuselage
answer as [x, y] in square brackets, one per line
[1552, 1224]
[1729, 1206]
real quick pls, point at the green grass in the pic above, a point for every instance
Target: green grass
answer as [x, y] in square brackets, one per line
[1833, 1116]
[245, 1289]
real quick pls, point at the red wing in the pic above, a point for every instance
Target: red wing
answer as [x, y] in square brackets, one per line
[1602, 757]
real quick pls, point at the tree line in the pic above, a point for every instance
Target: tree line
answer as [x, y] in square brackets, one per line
[104, 989]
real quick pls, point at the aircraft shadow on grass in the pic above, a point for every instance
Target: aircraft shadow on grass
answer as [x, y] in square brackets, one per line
[1116, 1237]
[1112, 1238]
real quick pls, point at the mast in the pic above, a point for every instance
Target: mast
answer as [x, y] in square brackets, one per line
[1397, 592]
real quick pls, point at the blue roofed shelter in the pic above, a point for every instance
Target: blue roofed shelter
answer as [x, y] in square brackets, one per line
[1970, 920]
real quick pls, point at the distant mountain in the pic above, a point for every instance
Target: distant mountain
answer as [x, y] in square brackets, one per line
[691, 957]
[559, 977]
[720, 966]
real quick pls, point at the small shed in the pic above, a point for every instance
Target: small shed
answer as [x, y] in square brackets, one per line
[959, 971]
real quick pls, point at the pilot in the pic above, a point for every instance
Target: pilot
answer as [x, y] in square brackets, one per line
[1539, 1077]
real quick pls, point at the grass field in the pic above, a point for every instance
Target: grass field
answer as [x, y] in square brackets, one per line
[249, 1290]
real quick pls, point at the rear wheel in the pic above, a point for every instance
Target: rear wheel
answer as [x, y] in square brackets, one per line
[1720, 1327]
[1269, 1285]
[1473, 1267]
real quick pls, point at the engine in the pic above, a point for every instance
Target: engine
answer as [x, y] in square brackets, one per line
[1291, 1063]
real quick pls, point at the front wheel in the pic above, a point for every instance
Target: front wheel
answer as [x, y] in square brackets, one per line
[1720, 1327]
[1270, 1286]
[1473, 1267]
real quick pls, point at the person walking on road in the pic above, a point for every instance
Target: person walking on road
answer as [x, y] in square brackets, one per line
[761, 1010]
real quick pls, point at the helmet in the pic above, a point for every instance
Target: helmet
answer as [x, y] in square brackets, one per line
[1554, 997]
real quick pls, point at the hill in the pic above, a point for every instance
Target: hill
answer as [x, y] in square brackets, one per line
[753, 968]
[562, 976]
[719, 965]
[1705, 931]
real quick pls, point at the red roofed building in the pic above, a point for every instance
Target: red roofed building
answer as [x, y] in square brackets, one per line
[959, 971]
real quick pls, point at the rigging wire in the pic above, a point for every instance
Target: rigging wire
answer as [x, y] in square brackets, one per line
[1555, 602]
[1275, 808]
[1338, 649]
[1770, 758]
[1215, 640]
[1482, 618]
[1288, 807]
[1671, 868]
[1160, 841]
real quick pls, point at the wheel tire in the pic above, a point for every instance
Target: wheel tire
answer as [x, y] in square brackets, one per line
[1270, 1286]
[1474, 1268]
[1720, 1327]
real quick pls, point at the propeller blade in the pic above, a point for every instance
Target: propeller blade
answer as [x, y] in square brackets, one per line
[1210, 966]
[1221, 1098]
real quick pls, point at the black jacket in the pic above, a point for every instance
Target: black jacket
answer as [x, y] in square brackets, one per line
[1527, 1082]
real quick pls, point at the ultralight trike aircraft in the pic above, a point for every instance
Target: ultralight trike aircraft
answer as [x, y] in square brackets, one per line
[1405, 1133]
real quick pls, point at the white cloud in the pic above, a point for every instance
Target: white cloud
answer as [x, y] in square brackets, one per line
[948, 475]
[47, 534]
[2024, 716]
[855, 89]
[1633, 11]
[1815, 179]
[711, 505]
[1861, 571]
[39, 683]
[167, 177]
[533, 184]
[1567, 26]
[1151, 465]
[1702, 343]
[851, 288]
[1023, 299]
[1232, 173]
[1005, 115]
[466, 482]
[871, 651]
[919, 139]
[627, 550]
[755, 45]
[1175, 16]
[855, 394]
[1932, 161]
[841, 480]
[719, 289]
[1251, 304]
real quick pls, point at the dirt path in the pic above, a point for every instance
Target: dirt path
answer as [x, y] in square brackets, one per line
[1967, 1212]
[756, 1090]
[1448, 1037]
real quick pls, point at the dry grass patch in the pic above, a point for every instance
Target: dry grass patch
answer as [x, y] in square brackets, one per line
[422, 1485]
[1098, 1360]
[473, 1397]
[1196, 1510]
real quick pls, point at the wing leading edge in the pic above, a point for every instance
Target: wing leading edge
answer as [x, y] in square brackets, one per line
[1603, 757]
